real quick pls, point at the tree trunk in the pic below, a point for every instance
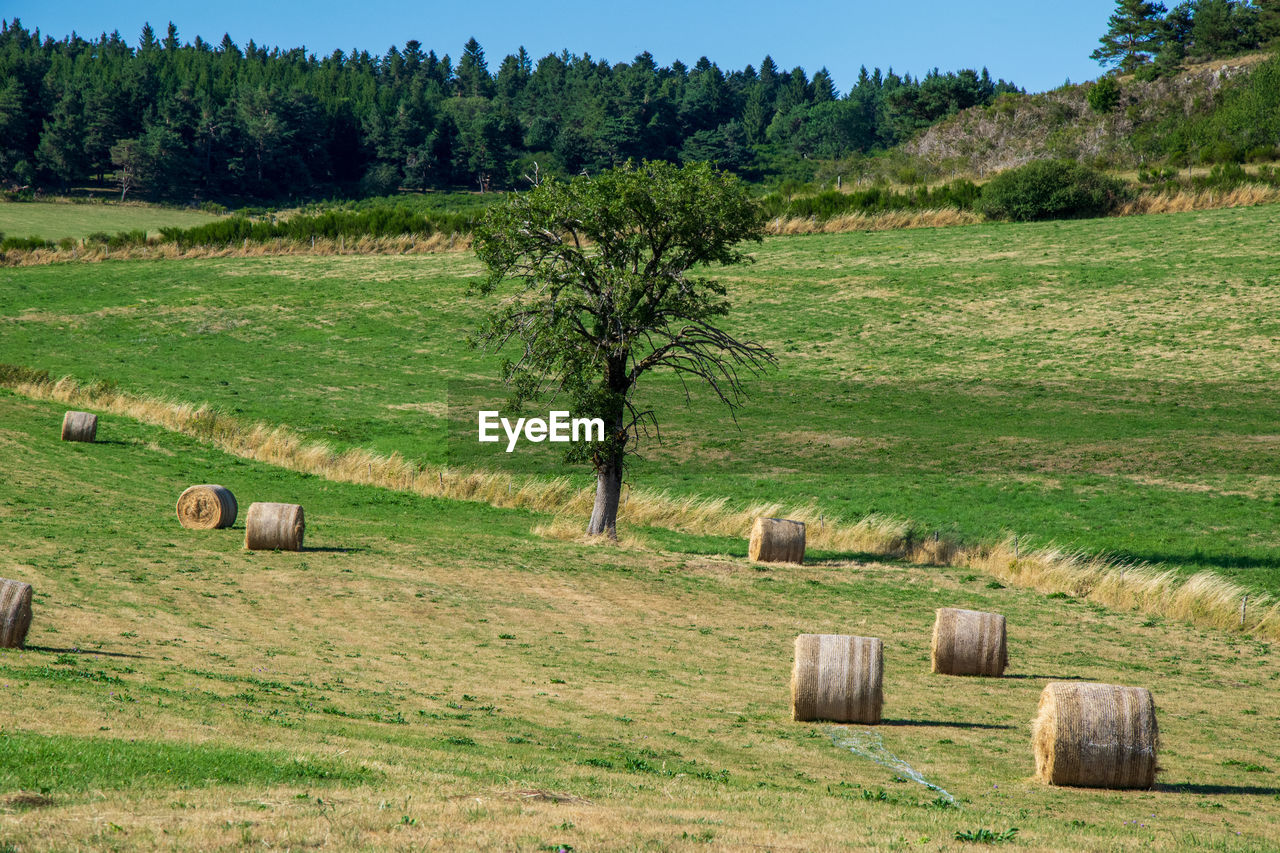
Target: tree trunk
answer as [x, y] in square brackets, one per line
[604, 514]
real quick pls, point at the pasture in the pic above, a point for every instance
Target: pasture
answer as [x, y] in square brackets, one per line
[1105, 385]
[55, 220]
[433, 674]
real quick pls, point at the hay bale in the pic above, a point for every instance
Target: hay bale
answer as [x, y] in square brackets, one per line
[838, 678]
[15, 613]
[969, 642]
[271, 527]
[776, 540]
[207, 507]
[79, 426]
[1095, 736]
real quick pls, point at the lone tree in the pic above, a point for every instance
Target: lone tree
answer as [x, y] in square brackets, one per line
[606, 293]
[1134, 34]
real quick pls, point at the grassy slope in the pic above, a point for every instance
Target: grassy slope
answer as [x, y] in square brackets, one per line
[1104, 384]
[53, 221]
[430, 673]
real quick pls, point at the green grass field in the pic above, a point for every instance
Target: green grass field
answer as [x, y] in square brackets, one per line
[1106, 385]
[55, 220]
[429, 674]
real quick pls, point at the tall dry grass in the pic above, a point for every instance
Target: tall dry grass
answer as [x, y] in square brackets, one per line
[1246, 195]
[1204, 599]
[406, 244]
[887, 221]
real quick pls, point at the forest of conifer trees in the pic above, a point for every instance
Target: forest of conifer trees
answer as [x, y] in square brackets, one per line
[195, 121]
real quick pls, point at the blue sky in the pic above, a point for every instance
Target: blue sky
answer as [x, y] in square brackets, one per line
[1037, 45]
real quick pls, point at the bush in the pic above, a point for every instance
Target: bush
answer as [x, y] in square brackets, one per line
[1051, 189]
[27, 244]
[331, 225]
[124, 239]
[960, 194]
[1104, 96]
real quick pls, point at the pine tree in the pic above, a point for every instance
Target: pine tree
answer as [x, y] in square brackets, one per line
[1268, 19]
[473, 72]
[824, 88]
[147, 42]
[1133, 36]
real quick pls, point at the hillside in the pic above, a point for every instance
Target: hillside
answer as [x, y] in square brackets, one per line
[1018, 128]
[431, 674]
[1044, 390]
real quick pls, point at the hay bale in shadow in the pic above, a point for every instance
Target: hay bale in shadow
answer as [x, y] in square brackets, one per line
[837, 677]
[15, 613]
[969, 642]
[274, 526]
[1095, 736]
[79, 426]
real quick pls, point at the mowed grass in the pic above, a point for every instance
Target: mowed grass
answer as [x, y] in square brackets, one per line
[55, 220]
[1106, 385]
[432, 674]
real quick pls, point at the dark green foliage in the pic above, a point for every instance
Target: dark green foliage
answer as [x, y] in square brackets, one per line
[1222, 27]
[960, 194]
[8, 244]
[1133, 34]
[1140, 31]
[384, 221]
[1104, 95]
[194, 122]
[1050, 189]
[605, 266]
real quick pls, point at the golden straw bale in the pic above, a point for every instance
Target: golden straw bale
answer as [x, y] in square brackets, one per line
[969, 642]
[207, 507]
[1095, 736]
[15, 613]
[79, 426]
[776, 540]
[273, 526]
[837, 677]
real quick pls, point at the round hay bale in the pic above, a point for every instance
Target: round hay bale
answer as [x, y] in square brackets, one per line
[776, 540]
[969, 642]
[207, 507]
[272, 527]
[1095, 736]
[15, 613]
[837, 678]
[79, 426]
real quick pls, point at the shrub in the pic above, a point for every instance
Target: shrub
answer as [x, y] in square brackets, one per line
[124, 239]
[1104, 96]
[332, 225]
[1051, 189]
[11, 244]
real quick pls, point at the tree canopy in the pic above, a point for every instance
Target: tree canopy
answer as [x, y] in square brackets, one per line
[199, 120]
[1139, 31]
[608, 288]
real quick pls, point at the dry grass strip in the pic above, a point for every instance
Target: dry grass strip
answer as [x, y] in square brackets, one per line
[1247, 195]
[1205, 599]
[406, 244]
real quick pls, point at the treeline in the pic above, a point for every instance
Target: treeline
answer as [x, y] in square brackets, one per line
[1151, 39]
[176, 120]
